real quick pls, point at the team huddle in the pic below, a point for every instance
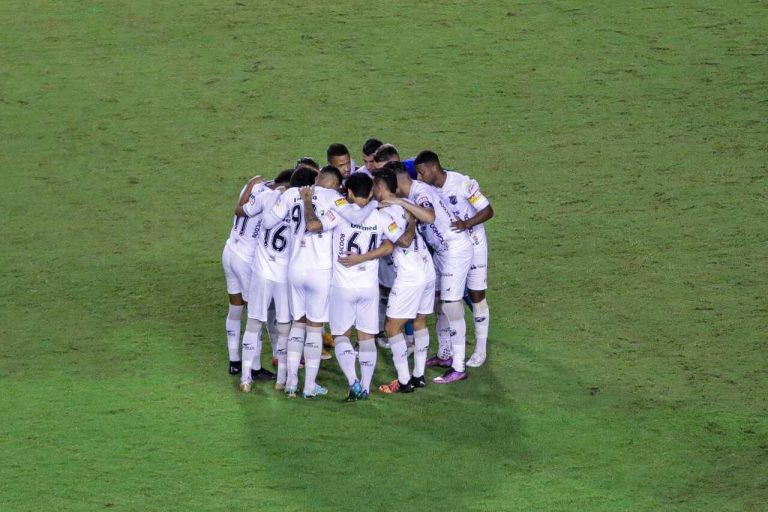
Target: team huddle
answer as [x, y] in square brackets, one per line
[376, 249]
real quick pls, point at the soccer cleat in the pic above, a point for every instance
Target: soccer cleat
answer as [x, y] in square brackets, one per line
[328, 340]
[450, 376]
[262, 374]
[279, 386]
[418, 382]
[245, 387]
[290, 391]
[325, 355]
[318, 391]
[477, 360]
[235, 367]
[396, 387]
[355, 390]
[363, 396]
[437, 361]
[382, 340]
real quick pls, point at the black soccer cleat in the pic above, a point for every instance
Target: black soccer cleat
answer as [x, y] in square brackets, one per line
[418, 382]
[262, 374]
[235, 367]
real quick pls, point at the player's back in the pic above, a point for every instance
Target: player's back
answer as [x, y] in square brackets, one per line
[309, 250]
[243, 236]
[273, 251]
[413, 264]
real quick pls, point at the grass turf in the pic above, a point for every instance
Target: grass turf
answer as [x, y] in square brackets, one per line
[623, 146]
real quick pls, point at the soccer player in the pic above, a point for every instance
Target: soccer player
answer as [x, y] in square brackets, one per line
[309, 281]
[472, 209]
[338, 157]
[452, 255]
[369, 148]
[384, 154]
[413, 294]
[354, 285]
[269, 278]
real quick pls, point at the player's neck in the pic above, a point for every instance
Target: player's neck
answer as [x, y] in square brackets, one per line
[440, 178]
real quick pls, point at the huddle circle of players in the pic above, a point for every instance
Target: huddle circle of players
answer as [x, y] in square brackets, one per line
[371, 248]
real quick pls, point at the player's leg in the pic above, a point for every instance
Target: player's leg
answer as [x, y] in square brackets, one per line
[341, 320]
[453, 277]
[235, 310]
[477, 282]
[442, 327]
[366, 325]
[381, 337]
[259, 295]
[317, 291]
[295, 348]
[421, 336]
[296, 336]
[403, 305]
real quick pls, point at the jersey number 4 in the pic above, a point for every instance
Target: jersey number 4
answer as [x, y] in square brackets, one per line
[352, 245]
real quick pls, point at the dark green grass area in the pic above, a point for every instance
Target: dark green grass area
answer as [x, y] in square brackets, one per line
[622, 144]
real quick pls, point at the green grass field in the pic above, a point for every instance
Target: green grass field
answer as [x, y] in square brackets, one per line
[622, 144]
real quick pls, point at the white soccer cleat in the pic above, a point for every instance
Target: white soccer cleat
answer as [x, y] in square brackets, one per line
[245, 387]
[477, 360]
[279, 386]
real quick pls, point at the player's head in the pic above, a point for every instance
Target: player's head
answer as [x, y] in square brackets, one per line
[428, 166]
[329, 177]
[385, 153]
[359, 187]
[308, 162]
[338, 156]
[303, 177]
[369, 148]
[384, 184]
[401, 175]
[283, 178]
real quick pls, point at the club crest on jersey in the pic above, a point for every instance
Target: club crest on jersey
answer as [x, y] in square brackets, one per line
[453, 200]
[340, 202]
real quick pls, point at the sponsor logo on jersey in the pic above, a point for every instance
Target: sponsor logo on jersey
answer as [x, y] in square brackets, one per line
[329, 215]
[392, 227]
[340, 202]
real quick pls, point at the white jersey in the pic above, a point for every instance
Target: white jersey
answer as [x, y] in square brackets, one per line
[462, 195]
[245, 230]
[413, 264]
[309, 251]
[363, 170]
[270, 259]
[439, 235]
[358, 238]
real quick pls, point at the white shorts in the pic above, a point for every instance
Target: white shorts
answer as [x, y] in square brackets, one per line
[405, 301]
[477, 278]
[386, 272]
[452, 270]
[358, 307]
[237, 272]
[310, 291]
[261, 293]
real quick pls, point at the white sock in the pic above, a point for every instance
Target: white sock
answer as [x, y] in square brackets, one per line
[251, 349]
[368, 355]
[313, 346]
[443, 332]
[295, 348]
[283, 331]
[482, 316]
[232, 325]
[421, 339]
[400, 357]
[455, 313]
[345, 355]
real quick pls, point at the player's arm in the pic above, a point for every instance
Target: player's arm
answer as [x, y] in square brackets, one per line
[311, 222]
[351, 214]
[352, 259]
[246, 195]
[423, 213]
[406, 239]
[480, 203]
[275, 210]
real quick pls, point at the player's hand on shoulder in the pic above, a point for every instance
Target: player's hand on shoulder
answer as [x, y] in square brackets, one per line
[256, 179]
[306, 192]
[395, 201]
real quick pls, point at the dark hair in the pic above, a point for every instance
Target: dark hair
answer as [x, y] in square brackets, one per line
[371, 145]
[329, 169]
[309, 162]
[427, 157]
[303, 176]
[283, 177]
[336, 149]
[394, 168]
[385, 152]
[360, 184]
[389, 179]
